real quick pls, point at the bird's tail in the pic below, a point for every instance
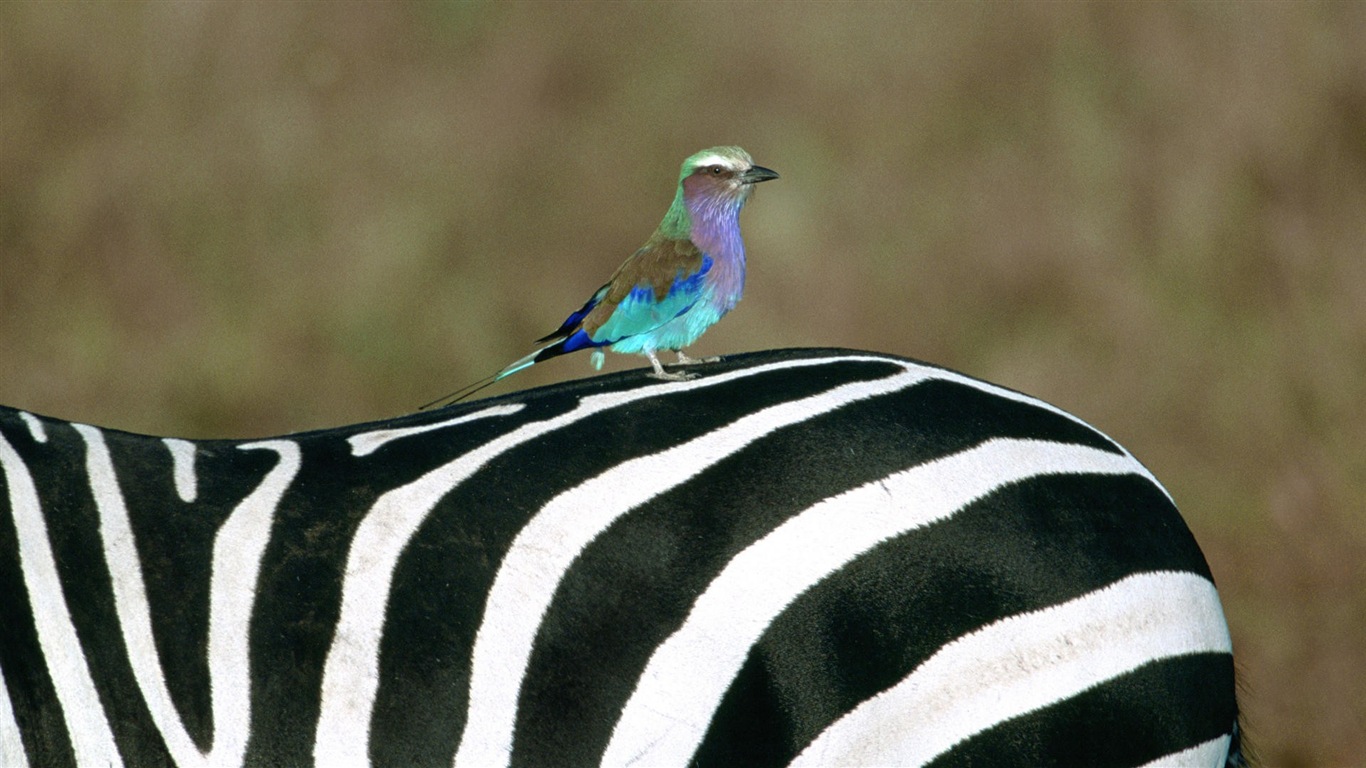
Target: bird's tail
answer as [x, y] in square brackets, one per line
[544, 353]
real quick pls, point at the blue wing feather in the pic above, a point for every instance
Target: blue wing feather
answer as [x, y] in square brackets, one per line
[572, 323]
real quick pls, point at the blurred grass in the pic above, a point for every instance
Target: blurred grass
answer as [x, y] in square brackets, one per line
[236, 220]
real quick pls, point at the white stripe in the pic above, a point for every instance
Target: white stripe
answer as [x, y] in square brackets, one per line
[683, 683]
[91, 739]
[367, 443]
[1023, 663]
[1010, 394]
[182, 462]
[726, 161]
[35, 426]
[1211, 754]
[544, 550]
[11, 743]
[130, 598]
[238, 549]
[351, 674]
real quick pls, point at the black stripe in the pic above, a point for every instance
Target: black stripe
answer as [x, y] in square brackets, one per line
[441, 582]
[865, 367]
[633, 586]
[175, 543]
[1136, 718]
[299, 590]
[74, 532]
[297, 600]
[1031, 545]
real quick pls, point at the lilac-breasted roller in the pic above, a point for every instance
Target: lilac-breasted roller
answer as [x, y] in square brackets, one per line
[689, 274]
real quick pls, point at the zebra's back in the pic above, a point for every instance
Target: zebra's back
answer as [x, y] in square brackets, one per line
[811, 557]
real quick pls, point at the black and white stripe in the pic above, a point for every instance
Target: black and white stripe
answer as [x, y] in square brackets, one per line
[806, 557]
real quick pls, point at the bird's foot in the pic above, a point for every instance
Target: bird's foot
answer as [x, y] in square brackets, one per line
[685, 360]
[664, 375]
[667, 376]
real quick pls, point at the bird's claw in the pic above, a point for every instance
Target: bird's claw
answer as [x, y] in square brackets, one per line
[685, 360]
[673, 376]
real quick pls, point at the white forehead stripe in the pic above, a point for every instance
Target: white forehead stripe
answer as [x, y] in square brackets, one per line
[714, 160]
[729, 161]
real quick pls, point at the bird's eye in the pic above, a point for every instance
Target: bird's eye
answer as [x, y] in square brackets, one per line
[716, 170]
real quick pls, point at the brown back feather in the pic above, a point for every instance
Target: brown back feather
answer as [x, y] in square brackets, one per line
[656, 265]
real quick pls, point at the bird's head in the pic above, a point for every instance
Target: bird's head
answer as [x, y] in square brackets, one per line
[721, 175]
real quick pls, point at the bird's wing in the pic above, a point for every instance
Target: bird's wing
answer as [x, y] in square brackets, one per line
[658, 283]
[573, 322]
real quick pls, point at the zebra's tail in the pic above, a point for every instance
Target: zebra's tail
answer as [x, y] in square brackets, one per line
[1239, 756]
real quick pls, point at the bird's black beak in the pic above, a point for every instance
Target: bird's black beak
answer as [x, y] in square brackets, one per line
[758, 173]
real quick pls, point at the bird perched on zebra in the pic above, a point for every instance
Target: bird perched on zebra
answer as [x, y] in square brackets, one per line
[689, 274]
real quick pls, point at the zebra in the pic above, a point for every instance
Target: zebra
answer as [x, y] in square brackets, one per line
[802, 557]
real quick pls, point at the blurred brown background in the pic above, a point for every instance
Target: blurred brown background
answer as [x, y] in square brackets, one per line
[241, 220]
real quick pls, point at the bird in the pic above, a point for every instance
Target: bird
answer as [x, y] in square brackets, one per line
[687, 276]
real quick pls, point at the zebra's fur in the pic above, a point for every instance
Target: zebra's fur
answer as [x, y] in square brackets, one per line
[805, 556]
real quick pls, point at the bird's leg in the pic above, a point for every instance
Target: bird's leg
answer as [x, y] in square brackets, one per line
[685, 360]
[664, 375]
